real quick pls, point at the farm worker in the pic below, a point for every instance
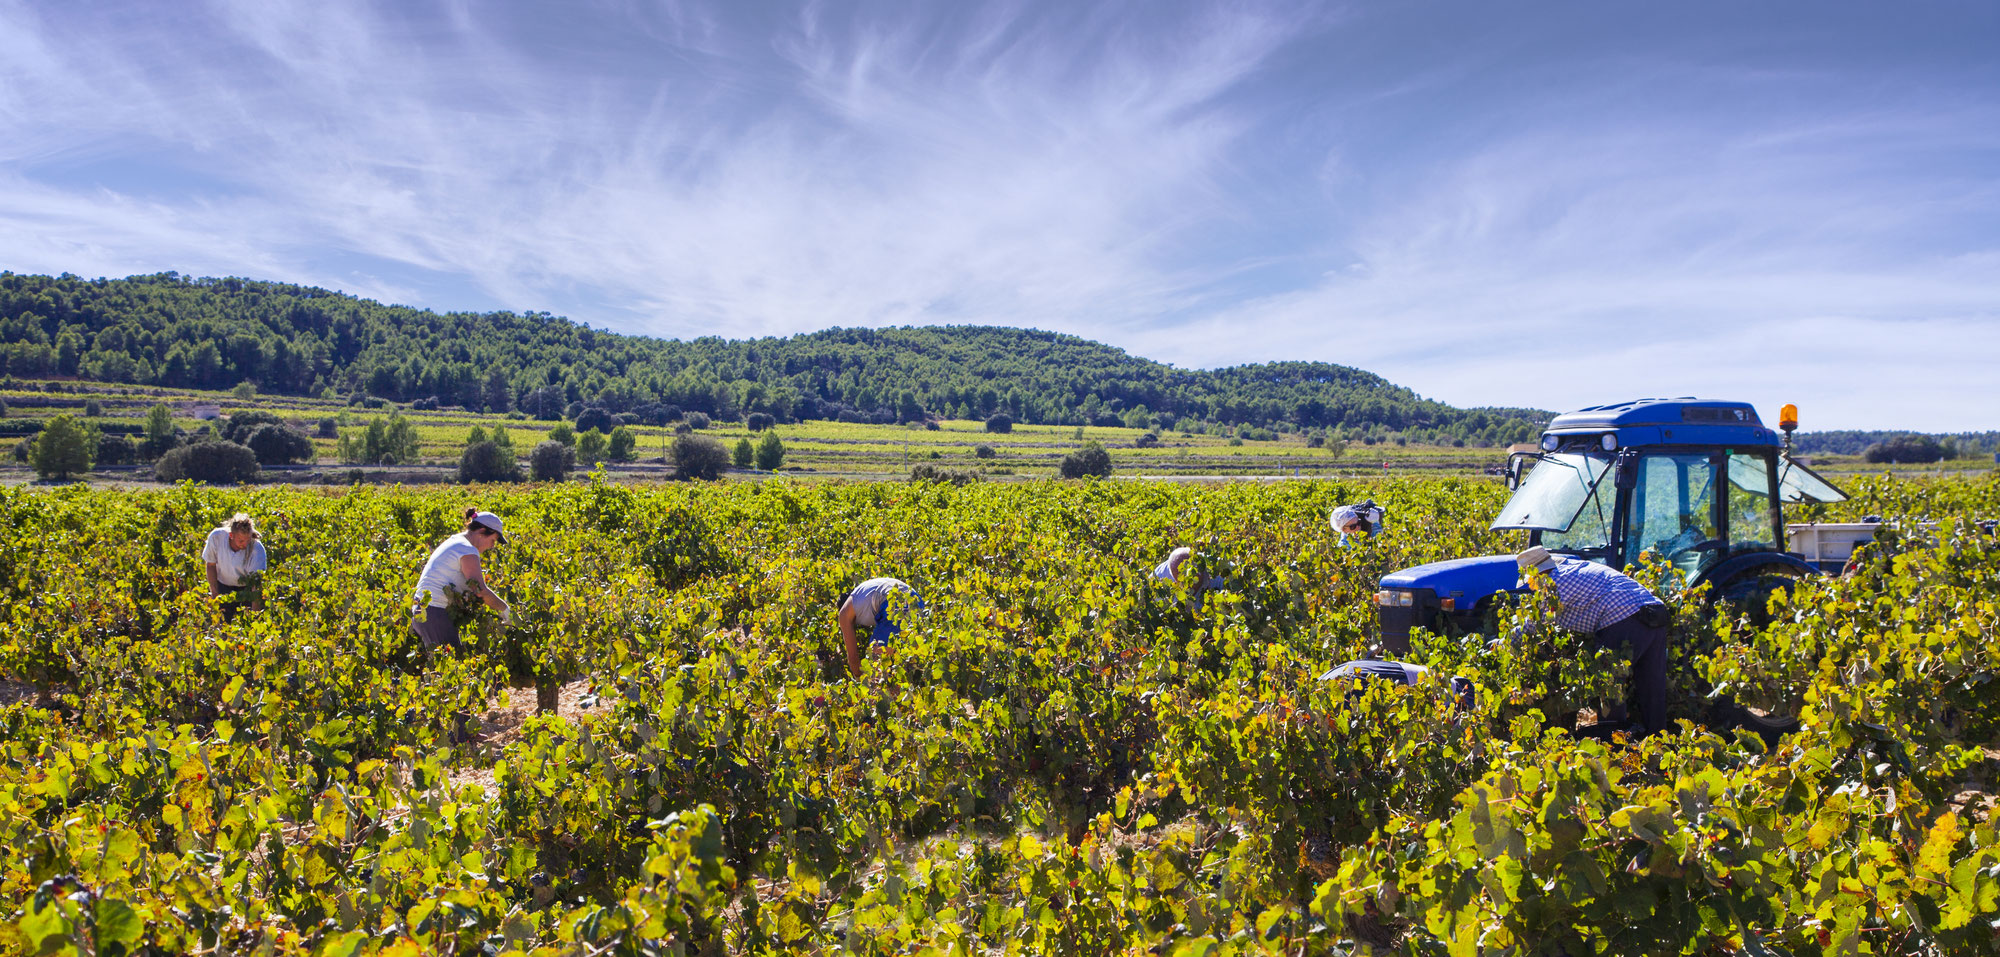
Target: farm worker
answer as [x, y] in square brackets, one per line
[1362, 519]
[867, 606]
[234, 558]
[1400, 672]
[452, 572]
[1170, 570]
[1608, 605]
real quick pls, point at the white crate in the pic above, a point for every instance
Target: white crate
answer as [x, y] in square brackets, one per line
[1828, 545]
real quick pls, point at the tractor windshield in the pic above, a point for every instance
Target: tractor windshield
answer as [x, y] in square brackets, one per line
[1554, 492]
[1798, 485]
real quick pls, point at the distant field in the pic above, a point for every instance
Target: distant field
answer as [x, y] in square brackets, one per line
[837, 449]
[815, 447]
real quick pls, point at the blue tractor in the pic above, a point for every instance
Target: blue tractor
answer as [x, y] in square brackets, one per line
[1697, 482]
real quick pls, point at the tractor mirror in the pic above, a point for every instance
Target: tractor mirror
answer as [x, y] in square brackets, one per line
[1628, 470]
[1517, 463]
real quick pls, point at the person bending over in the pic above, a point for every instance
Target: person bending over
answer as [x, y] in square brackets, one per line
[1617, 612]
[452, 571]
[868, 606]
[235, 558]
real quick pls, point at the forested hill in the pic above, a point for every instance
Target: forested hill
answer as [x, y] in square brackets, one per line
[216, 333]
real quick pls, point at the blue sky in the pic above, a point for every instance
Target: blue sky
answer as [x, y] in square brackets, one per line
[1495, 204]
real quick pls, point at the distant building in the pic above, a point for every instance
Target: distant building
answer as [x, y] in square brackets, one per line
[205, 412]
[1523, 447]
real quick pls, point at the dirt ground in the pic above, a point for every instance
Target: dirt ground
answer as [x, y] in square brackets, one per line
[501, 724]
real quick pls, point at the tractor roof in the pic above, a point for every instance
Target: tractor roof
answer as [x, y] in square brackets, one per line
[1669, 412]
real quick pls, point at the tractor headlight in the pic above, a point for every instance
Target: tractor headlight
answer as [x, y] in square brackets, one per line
[1609, 441]
[1549, 443]
[1395, 598]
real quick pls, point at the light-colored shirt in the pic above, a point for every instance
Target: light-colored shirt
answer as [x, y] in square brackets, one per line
[1595, 597]
[232, 566]
[1165, 571]
[442, 575]
[871, 597]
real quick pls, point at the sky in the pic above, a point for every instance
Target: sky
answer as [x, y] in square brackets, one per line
[1519, 204]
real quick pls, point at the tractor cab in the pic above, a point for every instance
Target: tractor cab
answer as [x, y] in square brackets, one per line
[1701, 484]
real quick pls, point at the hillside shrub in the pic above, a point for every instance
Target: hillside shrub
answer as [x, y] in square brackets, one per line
[759, 421]
[742, 453]
[699, 458]
[216, 462]
[596, 418]
[116, 450]
[770, 452]
[64, 448]
[488, 462]
[1000, 423]
[1906, 450]
[622, 445]
[1091, 461]
[551, 461]
[983, 451]
[696, 420]
[237, 426]
[278, 445]
[927, 472]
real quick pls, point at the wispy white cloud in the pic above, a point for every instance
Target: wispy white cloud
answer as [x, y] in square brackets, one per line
[1206, 184]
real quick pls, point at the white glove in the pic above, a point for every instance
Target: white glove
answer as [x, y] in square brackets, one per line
[506, 617]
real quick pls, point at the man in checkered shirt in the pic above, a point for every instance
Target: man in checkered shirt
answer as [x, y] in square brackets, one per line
[1608, 605]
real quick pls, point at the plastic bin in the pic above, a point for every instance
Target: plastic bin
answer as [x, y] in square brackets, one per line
[1828, 545]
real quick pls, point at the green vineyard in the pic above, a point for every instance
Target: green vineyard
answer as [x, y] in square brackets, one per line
[663, 752]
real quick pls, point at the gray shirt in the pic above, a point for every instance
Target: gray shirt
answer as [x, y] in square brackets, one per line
[872, 596]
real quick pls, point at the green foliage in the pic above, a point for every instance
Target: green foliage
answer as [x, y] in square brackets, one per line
[278, 445]
[770, 452]
[237, 426]
[927, 472]
[488, 462]
[266, 338]
[390, 441]
[476, 436]
[622, 445]
[564, 434]
[551, 461]
[699, 457]
[1090, 461]
[64, 448]
[742, 453]
[221, 463]
[1061, 756]
[115, 450]
[1912, 449]
[592, 447]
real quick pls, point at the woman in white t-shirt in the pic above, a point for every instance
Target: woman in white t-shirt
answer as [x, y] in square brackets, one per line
[452, 571]
[234, 558]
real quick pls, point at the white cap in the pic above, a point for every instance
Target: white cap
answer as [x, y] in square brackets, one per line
[493, 522]
[1535, 556]
[1344, 515]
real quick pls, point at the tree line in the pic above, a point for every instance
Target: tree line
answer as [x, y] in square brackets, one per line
[172, 330]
